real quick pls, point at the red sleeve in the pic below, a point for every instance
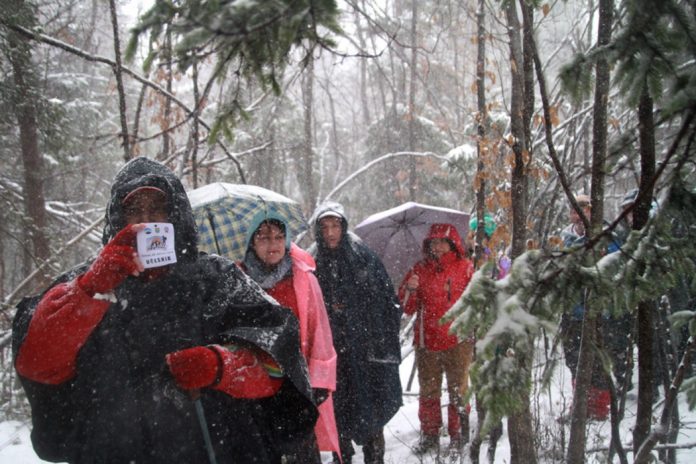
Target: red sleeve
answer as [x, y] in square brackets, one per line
[469, 272]
[247, 374]
[62, 321]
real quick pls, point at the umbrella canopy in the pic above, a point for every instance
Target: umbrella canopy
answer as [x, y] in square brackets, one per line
[223, 214]
[397, 234]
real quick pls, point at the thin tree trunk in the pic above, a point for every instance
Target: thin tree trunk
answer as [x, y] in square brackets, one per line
[519, 147]
[119, 82]
[645, 317]
[576, 445]
[412, 178]
[528, 47]
[307, 174]
[191, 156]
[25, 111]
[521, 430]
[196, 128]
[482, 126]
[365, 107]
[166, 122]
[480, 183]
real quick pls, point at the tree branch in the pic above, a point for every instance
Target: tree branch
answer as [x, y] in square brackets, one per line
[100, 59]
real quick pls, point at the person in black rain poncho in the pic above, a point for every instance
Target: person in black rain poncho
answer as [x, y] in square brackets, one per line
[364, 314]
[112, 355]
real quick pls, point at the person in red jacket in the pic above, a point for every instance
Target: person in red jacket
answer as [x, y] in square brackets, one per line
[111, 355]
[429, 289]
[286, 272]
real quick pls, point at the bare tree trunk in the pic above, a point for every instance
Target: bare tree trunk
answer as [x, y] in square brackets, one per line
[365, 107]
[119, 82]
[335, 142]
[588, 341]
[519, 147]
[192, 151]
[482, 126]
[576, 445]
[528, 47]
[307, 174]
[521, 430]
[645, 317]
[412, 179]
[482, 149]
[166, 122]
[25, 111]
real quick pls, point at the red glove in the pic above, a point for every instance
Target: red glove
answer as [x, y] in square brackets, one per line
[115, 262]
[196, 367]
[238, 373]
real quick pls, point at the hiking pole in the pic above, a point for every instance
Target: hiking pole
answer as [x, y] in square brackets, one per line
[411, 376]
[204, 426]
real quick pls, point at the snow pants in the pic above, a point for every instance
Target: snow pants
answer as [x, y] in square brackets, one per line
[454, 364]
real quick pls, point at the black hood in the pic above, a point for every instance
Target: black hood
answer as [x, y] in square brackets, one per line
[144, 172]
[337, 210]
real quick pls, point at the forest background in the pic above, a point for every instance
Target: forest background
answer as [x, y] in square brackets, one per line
[499, 106]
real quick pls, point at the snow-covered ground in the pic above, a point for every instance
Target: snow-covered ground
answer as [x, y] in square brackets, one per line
[401, 433]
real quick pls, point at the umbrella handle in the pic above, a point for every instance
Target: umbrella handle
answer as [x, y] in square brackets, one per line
[211, 220]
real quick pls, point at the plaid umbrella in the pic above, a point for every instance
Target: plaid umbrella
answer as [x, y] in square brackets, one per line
[224, 211]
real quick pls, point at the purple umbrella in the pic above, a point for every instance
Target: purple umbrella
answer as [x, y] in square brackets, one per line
[397, 234]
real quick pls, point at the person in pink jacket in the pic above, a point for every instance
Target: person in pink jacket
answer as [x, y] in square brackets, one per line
[429, 289]
[285, 272]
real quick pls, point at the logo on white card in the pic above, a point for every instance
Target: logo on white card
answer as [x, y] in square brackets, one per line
[156, 245]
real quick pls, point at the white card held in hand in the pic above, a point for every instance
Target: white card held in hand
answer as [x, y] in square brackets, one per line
[156, 244]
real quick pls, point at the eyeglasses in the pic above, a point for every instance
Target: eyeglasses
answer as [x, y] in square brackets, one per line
[269, 238]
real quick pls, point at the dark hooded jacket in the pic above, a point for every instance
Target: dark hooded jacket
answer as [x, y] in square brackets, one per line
[364, 314]
[123, 406]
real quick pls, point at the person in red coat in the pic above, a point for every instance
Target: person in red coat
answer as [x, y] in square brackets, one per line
[429, 289]
[189, 362]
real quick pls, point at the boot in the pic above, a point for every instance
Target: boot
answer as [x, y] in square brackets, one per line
[373, 449]
[454, 424]
[455, 448]
[428, 444]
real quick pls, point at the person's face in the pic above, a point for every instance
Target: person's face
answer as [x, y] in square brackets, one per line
[575, 217]
[331, 231]
[439, 246]
[146, 206]
[269, 244]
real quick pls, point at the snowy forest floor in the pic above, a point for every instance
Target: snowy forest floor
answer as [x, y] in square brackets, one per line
[401, 434]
